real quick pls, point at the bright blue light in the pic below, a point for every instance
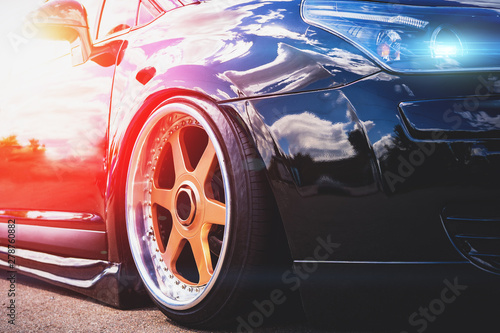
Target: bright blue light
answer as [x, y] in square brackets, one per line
[446, 42]
[445, 51]
[412, 39]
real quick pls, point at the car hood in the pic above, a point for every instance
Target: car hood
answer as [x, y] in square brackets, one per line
[448, 3]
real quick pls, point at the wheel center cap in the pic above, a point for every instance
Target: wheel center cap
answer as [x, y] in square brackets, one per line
[185, 205]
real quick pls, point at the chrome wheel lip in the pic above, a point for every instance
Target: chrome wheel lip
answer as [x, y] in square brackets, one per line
[150, 278]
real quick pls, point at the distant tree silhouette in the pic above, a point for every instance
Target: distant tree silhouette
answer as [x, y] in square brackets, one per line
[34, 144]
[9, 141]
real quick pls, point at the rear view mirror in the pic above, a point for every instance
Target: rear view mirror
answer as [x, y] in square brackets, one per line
[65, 20]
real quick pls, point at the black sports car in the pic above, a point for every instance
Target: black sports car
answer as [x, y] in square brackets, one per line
[204, 148]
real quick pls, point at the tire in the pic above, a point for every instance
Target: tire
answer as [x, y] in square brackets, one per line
[197, 212]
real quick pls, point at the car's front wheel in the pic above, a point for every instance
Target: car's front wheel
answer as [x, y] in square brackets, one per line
[197, 211]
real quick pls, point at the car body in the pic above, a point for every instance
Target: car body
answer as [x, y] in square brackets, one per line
[383, 177]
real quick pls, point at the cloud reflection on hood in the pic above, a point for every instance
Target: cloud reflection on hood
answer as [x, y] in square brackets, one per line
[307, 134]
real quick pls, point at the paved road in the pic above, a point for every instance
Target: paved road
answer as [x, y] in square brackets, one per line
[41, 307]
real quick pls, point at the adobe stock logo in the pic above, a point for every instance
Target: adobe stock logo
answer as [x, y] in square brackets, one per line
[424, 150]
[302, 271]
[420, 320]
[29, 29]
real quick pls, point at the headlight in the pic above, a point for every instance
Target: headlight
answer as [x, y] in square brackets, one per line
[416, 39]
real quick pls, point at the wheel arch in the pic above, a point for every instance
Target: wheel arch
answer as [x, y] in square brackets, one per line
[120, 149]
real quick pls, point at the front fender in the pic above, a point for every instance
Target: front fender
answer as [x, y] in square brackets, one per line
[253, 49]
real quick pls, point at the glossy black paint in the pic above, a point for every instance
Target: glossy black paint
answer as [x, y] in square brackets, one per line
[400, 297]
[425, 119]
[371, 159]
[412, 180]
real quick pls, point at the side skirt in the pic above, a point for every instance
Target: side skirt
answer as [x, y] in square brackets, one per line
[102, 280]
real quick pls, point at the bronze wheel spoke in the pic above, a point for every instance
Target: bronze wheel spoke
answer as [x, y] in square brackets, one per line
[161, 197]
[208, 161]
[201, 253]
[174, 248]
[181, 162]
[215, 212]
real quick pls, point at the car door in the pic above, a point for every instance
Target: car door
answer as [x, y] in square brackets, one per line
[53, 142]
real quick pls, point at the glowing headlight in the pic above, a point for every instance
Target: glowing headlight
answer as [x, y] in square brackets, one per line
[446, 43]
[409, 39]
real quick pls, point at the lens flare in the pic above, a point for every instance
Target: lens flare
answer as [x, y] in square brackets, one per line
[446, 43]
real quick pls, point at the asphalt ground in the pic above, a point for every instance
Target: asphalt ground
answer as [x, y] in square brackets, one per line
[42, 307]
